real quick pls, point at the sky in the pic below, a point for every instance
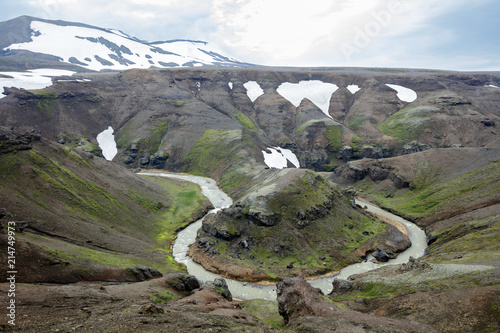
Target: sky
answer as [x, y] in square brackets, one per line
[432, 34]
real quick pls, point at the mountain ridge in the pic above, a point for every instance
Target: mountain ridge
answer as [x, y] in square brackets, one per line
[100, 49]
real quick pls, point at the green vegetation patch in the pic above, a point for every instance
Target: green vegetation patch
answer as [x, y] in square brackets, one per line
[76, 253]
[327, 121]
[46, 99]
[186, 205]
[450, 195]
[265, 311]
[246, 121]
[475, 240]
[408, 123]
[334, 137]
[217, 154]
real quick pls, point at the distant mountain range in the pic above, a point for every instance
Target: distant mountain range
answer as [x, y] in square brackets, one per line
[28, 42]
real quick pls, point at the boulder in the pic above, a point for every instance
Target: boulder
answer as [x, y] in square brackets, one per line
[182, 281]
[380, 255]
[220, 287]
[150, 309]
[341, 286]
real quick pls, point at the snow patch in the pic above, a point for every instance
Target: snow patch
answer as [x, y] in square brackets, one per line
[316, 91]
[32, 79]
[353, 88]
[253, 90]
[106, 141]
[404, 94]
[490, 86]
[278, 158]
[230, 84]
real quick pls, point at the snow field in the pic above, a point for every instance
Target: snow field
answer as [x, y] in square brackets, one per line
[278, 158]
[32, 79]
[404, 94]
[316, 91]
[106, 141]
[253, 90]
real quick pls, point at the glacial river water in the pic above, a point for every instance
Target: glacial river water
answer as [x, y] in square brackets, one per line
[244, 290]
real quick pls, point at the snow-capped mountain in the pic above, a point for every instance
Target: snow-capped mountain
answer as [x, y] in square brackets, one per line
[100, 49]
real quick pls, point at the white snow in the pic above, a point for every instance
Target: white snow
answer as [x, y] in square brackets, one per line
[316, 91]
[404, 94]
[32, 79]
[230, 84]
[278, 158]
[71, 41]
[106, 141]
[253, 90]
[353, 88]
[490, 86]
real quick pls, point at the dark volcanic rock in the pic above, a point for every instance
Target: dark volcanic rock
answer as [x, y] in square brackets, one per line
[182, 281]
[381, 255]
[143, 273]
[341, 286]
[11, 140]
[415, 147]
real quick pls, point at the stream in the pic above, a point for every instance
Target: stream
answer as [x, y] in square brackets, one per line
[246, 290]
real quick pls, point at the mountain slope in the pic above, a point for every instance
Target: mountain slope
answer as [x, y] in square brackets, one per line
[96, 49]
[81, 217]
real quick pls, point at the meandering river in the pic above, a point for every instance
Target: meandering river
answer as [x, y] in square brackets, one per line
[244, 290]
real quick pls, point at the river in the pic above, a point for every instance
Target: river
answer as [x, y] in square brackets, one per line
[244, 290]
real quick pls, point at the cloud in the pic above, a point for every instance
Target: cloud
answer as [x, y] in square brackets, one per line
[303, 33]
[335, 33]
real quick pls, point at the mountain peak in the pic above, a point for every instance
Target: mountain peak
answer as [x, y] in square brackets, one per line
[99, 49]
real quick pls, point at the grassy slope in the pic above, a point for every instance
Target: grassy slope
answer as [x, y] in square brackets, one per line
[88, 211]
[446, 207]
[221, 154]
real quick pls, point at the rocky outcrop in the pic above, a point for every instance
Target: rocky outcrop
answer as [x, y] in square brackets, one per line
[182, 281]
[355, 171]
[381, 255]
[11, 140]
[208, 300]
[299, 303]
[415, 147]
[143, 273]
[348, 153]
[220, 287]
[413, 264]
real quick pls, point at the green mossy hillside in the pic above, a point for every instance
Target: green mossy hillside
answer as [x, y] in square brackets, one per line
[308, 225]
[86, 211]
[223, 155]
[458, 213]
[408, 123]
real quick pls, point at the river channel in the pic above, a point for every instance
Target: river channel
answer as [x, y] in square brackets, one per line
[244, 290]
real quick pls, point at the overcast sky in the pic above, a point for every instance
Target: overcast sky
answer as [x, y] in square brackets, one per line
[437, 34]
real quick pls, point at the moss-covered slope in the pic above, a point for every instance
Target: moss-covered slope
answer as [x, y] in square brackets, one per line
[298, 224]
[84, 214]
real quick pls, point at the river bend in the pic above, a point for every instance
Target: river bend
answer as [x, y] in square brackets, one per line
[246, 290]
